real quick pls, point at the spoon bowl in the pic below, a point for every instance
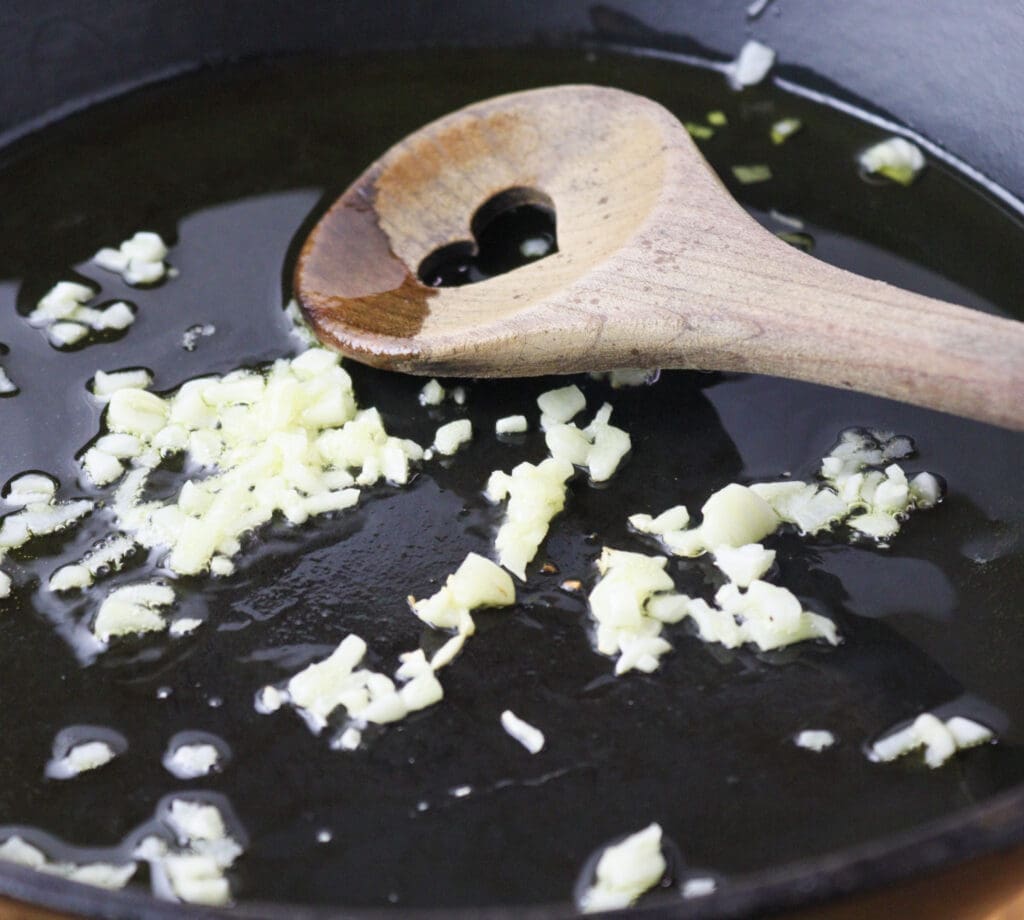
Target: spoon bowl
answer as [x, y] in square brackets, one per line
[657, 266]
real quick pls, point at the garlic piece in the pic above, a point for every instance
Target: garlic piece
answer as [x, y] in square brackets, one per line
[941, 740]
[132, 609]
[559, 406]
[527, 735]
[625, 871]
[744, 564]
[511, 424]
[815, 740]
[751, 65]
[535, 493]
[449, 438]
[895, 158]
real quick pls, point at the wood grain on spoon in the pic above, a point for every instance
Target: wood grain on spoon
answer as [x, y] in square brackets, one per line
[657, 266]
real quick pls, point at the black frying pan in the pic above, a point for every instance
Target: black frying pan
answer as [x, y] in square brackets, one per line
[752, 812]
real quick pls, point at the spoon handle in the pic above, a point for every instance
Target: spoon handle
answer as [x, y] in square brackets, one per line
[657, 266]
[777, 311]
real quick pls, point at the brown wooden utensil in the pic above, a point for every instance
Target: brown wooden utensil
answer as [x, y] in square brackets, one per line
[657, 266]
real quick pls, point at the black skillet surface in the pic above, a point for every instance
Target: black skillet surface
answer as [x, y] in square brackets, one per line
[704, 745]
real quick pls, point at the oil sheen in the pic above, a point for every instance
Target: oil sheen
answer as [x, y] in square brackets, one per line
[233, 167]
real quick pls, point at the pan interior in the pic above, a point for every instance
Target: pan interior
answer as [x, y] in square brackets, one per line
[233, 166]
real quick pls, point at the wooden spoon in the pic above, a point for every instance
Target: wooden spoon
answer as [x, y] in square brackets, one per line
[657, 266]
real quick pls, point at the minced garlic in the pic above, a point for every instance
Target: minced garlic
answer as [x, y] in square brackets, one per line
[816, 740]
[449, 438]
[871, 502]
[623, 604]
[476, 583]
[194, 871]
[139, 260]
[64, 312]
[940, 739]
[636, 596]
[107, 555]
[104, 384]
[188, 761]
[511, 424]
[559, 406]
[291, 440]
[771, 617]
[101, 875]
[599, 447]
[732, 517]
[367, 696]
[744, 564]
[61, 302]
[40, 512]
[432, 394]
[675, 518]
[132, 609]
[751, 65]
[625, 871]
[700, 887]
[535, 493]
[529, 736]
[80, 758]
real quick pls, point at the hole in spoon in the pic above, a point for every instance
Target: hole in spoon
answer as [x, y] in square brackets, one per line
[510, 230]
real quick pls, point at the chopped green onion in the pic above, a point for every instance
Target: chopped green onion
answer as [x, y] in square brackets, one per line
[748, 175]
[717, 119]
[785, 128]
[698, 131]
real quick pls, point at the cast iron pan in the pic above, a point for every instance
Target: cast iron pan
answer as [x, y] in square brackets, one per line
[225, 166]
